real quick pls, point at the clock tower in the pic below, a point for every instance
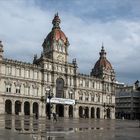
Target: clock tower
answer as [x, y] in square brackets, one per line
[55, 45]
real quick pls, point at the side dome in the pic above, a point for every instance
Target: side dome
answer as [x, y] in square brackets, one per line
[101, 64]
[56, 34]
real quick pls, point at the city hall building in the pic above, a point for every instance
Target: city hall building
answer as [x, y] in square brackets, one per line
[25, 87]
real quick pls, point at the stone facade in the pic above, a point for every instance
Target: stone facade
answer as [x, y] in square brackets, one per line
[128, 101]
[23, 85]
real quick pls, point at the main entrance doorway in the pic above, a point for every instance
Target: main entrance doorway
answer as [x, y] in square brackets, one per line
[60, 110]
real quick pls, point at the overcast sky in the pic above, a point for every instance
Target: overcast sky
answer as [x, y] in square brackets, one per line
[87, 23]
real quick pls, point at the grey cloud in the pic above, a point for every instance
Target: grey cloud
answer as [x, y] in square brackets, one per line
[25, 27]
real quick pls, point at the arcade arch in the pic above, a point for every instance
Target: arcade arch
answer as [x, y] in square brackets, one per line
[70, 111]
[60, 110]
[108, 113]
[92, 112]
[8, 107]
[98, 113]
[80, 112]
[35, 108]
[26, 108]
[17, 107]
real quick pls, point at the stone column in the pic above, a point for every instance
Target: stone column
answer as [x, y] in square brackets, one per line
[42, 109]
[31, 109]
[2, 106]
[66, 110]
[102, 113]
[95, 116]
[13, 124]
[22, 125]
[22, 108]
[75, 111]
[112, 113]
[89, 112]
[13, 107]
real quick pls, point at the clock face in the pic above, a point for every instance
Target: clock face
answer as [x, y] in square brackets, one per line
[60, 58]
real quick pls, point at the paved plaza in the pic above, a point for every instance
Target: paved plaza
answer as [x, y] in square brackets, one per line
[25, 128]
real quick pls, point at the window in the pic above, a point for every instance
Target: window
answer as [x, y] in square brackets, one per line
[92, 98]
[81, 97]
[98, 98]
[8, 70]
[86, 98]
[18, 72]
[17, 89]
[71, 81]
[28, 91]
[36, 92]
[70, 95]
[35, 75]
[27, 74]
[81, 83]
[87, 83]
[8, 88]
[93, 84]
[109, 99]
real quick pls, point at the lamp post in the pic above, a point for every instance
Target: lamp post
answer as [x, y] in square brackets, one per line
[104, 105]
[49, 95]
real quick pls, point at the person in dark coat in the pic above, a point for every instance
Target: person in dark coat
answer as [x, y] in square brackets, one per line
[36, 115]
[54, 117]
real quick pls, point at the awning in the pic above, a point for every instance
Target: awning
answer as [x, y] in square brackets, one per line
[61, 101]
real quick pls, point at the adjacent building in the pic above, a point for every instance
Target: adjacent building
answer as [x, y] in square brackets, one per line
[128, 101]
[25, 87]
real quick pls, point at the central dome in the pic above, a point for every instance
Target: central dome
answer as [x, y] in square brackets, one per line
[56, 34]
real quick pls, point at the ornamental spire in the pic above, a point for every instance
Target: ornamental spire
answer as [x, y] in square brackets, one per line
[56, 21]
[102, 53]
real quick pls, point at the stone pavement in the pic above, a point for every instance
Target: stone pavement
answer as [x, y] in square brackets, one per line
[25, 128]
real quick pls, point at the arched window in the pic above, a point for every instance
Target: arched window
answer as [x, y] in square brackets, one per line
[80, 96]
[60, 88]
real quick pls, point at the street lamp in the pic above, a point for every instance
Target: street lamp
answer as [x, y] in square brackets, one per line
[49, 95]
[104, 105]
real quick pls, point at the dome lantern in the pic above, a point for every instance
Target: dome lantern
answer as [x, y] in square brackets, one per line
[56, 21]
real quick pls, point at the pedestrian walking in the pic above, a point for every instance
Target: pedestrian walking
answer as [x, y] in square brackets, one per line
[54, 117]
[36, 115]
